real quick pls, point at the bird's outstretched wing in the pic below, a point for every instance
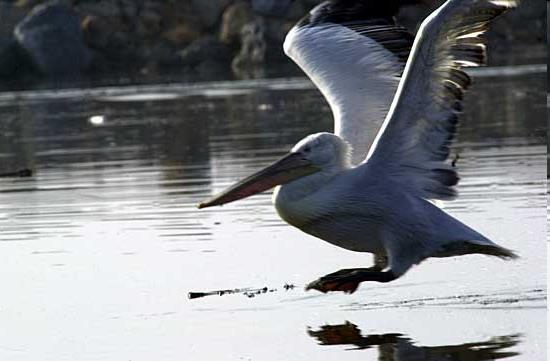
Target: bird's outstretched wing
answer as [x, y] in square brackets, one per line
[355, 53]
[413, 145]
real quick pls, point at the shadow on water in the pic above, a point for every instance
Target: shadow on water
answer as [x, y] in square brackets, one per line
[395, 346]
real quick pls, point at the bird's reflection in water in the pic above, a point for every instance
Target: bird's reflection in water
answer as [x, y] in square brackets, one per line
[397, 347]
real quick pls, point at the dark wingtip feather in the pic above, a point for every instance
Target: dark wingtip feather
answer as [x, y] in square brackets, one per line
[497, 251]
[504, 253]
[447, 177]
[345, 11]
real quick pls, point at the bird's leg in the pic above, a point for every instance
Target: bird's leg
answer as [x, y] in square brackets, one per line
[380, 263]
[347, 280]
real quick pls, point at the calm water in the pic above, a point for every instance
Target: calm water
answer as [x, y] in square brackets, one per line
[101, 246]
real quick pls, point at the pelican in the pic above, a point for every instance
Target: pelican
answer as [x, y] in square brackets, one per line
[373, 191]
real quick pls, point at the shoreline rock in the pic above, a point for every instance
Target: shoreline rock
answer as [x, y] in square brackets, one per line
[95, 37]
[51, 38]
[9, 59]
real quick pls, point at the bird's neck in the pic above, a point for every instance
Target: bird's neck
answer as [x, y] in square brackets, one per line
[302, 187]
[301, 199]
[349, 126]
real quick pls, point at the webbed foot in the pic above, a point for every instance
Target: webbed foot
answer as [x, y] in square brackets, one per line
[344, 280]
[348, 280]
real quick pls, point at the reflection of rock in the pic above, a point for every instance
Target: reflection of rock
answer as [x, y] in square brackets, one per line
[396, 347]
[50, 36]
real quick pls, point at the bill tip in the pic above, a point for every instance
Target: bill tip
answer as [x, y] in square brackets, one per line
[205, 204]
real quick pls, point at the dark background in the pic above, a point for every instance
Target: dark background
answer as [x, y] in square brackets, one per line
[54, 43]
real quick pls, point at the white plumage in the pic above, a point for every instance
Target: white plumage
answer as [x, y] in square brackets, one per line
[357, 76]
[379, 203]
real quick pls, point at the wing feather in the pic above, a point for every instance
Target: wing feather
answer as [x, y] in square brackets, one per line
[414, 142]
[355, 53]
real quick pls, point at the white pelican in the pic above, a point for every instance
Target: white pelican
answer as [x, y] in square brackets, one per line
[352, 51]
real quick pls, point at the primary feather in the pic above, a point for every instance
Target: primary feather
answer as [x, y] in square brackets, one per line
[413, 144]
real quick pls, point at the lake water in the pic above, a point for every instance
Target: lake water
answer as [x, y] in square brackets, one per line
[102, 245]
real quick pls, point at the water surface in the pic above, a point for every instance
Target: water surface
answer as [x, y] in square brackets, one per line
[100, 247]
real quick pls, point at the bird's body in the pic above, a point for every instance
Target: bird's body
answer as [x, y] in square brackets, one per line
[368, 187]
[359, 209]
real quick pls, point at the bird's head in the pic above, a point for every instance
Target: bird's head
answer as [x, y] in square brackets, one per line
[325, 151]
[321, 152]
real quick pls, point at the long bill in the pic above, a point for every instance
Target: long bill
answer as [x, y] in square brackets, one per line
[290, 167]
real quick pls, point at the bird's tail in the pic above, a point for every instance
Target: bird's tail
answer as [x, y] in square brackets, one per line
[466, 240]
[492, 250]
[479, 246]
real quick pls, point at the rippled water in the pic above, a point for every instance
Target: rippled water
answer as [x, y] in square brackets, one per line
[100, 247]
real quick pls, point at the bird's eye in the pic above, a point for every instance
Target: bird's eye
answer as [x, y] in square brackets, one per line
[307, 149]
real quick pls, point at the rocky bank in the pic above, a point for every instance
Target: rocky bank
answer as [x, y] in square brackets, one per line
[209, 38]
